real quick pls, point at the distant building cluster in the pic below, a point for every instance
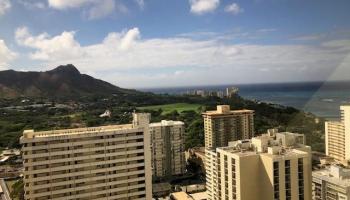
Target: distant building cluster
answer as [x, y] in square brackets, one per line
[10, 163]
[140, 160]
[228, 92]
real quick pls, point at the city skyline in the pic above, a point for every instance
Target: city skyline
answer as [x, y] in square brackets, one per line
[179, 43]
[272, 165]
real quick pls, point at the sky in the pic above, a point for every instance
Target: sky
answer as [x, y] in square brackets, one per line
[165, 43]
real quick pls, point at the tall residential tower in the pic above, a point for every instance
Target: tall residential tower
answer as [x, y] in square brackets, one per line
[167, 143]
[107, 162]
[274, 166]
[338, 137]
[224, 125]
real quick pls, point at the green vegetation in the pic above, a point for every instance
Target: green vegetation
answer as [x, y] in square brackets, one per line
[48, 106]
[168, 108]
[86, 111]
[266, 116]
[70, 99]
[16, 189]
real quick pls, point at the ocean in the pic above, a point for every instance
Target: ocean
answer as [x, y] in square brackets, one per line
[320, 98]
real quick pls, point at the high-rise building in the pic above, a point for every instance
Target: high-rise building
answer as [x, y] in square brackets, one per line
[220, 94]
[272, 166]
[224, 125]
[211, 174]
[167, 143]
[331, 183]
[338, 137]
[107, 162]
[230, 91]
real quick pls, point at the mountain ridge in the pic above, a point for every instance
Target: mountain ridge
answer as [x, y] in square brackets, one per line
[61, 82]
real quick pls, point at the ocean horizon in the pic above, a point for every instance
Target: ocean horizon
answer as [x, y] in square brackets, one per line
[319, 98]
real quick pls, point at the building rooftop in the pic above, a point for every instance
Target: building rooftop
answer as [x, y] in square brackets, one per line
[334, 174]
[63, 132]
[345, 106]
[11, 152]
[180, 196]
[225, 110]
[278, 153]
[272, 144]
[160, 187]
[199, 196]
[336, 122]
[166, 123]
[199, 151]
[193, 196]
[139, 120]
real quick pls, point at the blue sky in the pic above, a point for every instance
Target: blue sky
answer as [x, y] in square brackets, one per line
[161, 43]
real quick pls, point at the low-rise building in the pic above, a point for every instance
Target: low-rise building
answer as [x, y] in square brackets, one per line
[331, 183]
[196, 156]
[187, 196]
[4, 192]
[161, 189]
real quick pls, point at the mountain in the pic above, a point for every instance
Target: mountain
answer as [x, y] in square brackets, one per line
[63, 81]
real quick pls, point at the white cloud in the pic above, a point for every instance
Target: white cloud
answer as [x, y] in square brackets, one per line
[6, 55]
[233, 8]
[266, 30]
[5, 5]
[122, 41]
[32, 4]
[125, 56]
[102, 9]
[60, 47]
[140, 3]
[337, 44]
[203, 6]
[310, 37]
[94, 9]
[66, 4]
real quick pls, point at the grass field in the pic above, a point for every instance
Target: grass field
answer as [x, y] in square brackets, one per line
[167, 108]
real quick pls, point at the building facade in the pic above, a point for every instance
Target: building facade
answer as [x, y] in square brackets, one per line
[211, 174]
[107, 162]
[168, 151]
[272, 166]
[231, 91]
[338, 137]
[224, 125]
[331, 183]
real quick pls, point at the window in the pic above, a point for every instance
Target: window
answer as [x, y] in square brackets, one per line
[301, 178]
[287, 180]
[276, 180]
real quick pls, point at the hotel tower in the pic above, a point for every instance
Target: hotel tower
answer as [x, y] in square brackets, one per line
[224, 125]
[107, 162]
